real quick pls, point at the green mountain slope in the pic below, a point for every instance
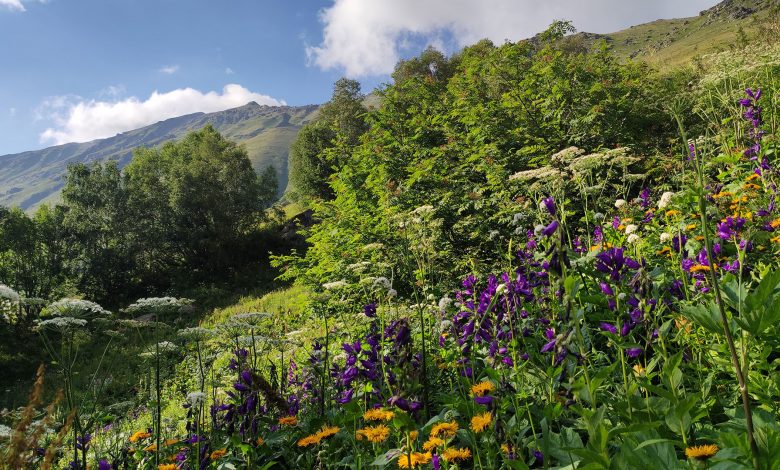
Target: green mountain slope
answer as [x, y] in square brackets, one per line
[671, 42]
[30, 178]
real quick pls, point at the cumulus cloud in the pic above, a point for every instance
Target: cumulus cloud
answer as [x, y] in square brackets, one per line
[169, 69]
[367, 37]
[229, 71]
[79, 120]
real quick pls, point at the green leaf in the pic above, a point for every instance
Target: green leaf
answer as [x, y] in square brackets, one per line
[707, 316]
[652, 442]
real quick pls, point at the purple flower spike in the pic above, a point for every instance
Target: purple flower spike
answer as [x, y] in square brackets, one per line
[606, 289]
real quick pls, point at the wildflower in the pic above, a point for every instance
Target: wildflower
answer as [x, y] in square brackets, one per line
[413, 435]
[482, 388]
[549, 205]
[150, 448]
[377, 414]
[452, 454]
[699, 267]
[432, 443]
[445, 429]
[609, 328]
[137, 436]
[703, 452]
[166, 466]
[196, 398]
[260, 441]
[375, 434]
[288, 421]
[480, 422]
[633, 239]
[672, 213]
[328, 431]
[550, 229]
[633, 352]
[370, 310]
[665, 200]
[414, 460]
[170, 442]
[308, 440]
[620, 203]
[631, 228]
[218, 454]
[690, 227]
[639, 371]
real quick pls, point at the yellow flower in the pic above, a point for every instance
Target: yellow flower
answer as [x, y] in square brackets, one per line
[722, 194]
[417, 459]
[482, 388]
[375, 434]
[480, 422]
[639, 371]
[690, 226]
[150, 448]
[413, 435]
[751, 186]
[664, 250]
[218, 454]
[621, 227]
[170, 442]
[752, 177]
[505, 448]
[701, 452]
[376, 414]
[445, 429]
[309, 440]
[451, 454]
[775, 223]
[672, 213]
[137, 436]
[699, 267]
[775, 239]
[432, 443]
[315, 438]
[166, 466]
[260, 441]
[288, 421]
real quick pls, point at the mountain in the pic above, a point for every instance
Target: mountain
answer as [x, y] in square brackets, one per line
[671, 42]
[29, 179]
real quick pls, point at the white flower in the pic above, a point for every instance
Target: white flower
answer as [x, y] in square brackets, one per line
[633, 238]
[666, 199]
[5, 431]
[598, 216]
[334, 285]
[382, 282]
[538, 229]
[422, 210]
[444, 302]
[620, 203]
[196, 398]
[666, 237]
[631, 228]
[157, 304]
[76, 308]
[392, 293]
[622, 296]
[8, 293]
[373, 246]
[517, 218]
[358, 267]
[197, 333]
[63, 323]
[501, 289]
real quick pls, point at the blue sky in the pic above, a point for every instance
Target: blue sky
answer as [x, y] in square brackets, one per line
[82, 69]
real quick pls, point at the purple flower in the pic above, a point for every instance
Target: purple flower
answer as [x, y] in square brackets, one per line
[549, 204]
[550, 229]
[633, 353]
[436, 462]
[486, 400]
[104, 465]
[608, 327]
[606, 289]
[370, 310]
[538, 456]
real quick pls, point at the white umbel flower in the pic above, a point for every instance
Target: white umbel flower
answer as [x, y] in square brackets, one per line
[631, 229]
[8, 293]
[665, 200]
[620, 203]
[633, 239]
[666, 237]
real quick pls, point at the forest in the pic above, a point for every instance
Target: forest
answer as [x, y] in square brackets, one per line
[533, 254]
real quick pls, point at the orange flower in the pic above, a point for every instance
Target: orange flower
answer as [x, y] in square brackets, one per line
[432, 443]
[375, 434]
[288, 421]
[260, 441]
[166, 466]
[150, 448]
[137, 436]
[376, 414]
[482, 388]
[218, 454]
[452, 455]
[701, 452]
[170, 442]
[480, 422]
[445, 429]
[699, 267]
[417, 459]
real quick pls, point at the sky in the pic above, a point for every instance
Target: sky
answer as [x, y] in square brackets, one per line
[77, 70]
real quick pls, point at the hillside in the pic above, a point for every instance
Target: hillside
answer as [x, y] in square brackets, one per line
[28, 179]
[671, 42]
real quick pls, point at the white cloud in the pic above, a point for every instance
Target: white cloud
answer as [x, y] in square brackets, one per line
[169, 69]
[366, 37]
[79, 120]
[229, 71]
[16, 5]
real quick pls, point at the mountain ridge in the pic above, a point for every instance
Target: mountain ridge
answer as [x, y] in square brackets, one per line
[30, 178]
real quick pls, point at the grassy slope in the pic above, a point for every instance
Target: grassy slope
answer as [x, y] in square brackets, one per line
[673, 42]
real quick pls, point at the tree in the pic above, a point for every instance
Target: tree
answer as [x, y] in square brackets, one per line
[323, 145]
[195, 201]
